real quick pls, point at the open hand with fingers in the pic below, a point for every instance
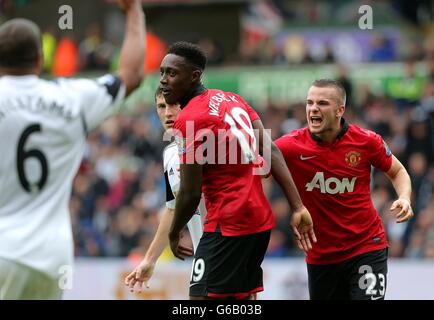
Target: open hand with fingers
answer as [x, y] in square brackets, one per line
[402, 209]
[140, 275]
[302, 226]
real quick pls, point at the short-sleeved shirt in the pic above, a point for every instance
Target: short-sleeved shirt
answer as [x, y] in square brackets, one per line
[172, 179]
[334, 183]
[214, 129]
[43, 127]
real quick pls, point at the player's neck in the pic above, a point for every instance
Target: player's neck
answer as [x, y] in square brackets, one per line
[196, 90]
[331, 135]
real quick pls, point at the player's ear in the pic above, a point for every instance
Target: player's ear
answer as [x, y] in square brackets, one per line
[196, 75]
[340, 112]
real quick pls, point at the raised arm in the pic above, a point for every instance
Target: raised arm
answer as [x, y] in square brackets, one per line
[133, 48]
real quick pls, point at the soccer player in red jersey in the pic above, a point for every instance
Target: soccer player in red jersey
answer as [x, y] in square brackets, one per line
[331, 162]
[227, 263]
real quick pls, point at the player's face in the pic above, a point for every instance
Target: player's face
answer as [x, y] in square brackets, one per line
[323, 111]
[176, 78]
[167, 112]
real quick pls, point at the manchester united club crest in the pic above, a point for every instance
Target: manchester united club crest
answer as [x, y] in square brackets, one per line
[352, 158]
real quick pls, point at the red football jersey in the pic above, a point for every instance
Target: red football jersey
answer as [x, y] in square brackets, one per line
[214, 129]
[334, 183]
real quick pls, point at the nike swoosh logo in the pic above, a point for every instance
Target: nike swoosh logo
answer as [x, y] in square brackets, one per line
[306, 158]
[193, 284]
[376, 298]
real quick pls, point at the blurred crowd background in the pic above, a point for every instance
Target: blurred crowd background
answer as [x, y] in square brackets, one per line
[268, 51]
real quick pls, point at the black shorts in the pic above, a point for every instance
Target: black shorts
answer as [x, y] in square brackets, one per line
[363, 277]
[228, 267]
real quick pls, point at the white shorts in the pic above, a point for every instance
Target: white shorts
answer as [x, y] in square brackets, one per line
[19, 282]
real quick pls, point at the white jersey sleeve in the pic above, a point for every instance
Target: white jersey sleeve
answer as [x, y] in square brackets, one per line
[171, 175]
[195, 224]
[99, 98]
[172, 178]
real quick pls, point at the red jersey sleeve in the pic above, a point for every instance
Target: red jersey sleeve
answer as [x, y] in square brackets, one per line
[284, 145]
[381, 156]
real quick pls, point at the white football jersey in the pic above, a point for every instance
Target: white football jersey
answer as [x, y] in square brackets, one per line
[43, 128]
[172, 178]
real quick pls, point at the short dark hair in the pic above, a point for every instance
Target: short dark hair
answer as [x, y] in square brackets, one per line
[20, 43]
[326, 83]
[191, 52]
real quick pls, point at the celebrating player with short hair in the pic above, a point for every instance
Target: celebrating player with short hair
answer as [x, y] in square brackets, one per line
[43, 128]
[331, 164]
[227, 263]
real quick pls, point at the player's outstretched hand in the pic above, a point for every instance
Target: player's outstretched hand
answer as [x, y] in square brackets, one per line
[178, 250]
[405, 212]
[302, 226]
[141, 275]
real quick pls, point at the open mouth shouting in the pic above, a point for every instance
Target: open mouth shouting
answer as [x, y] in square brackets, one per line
[315, 121]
